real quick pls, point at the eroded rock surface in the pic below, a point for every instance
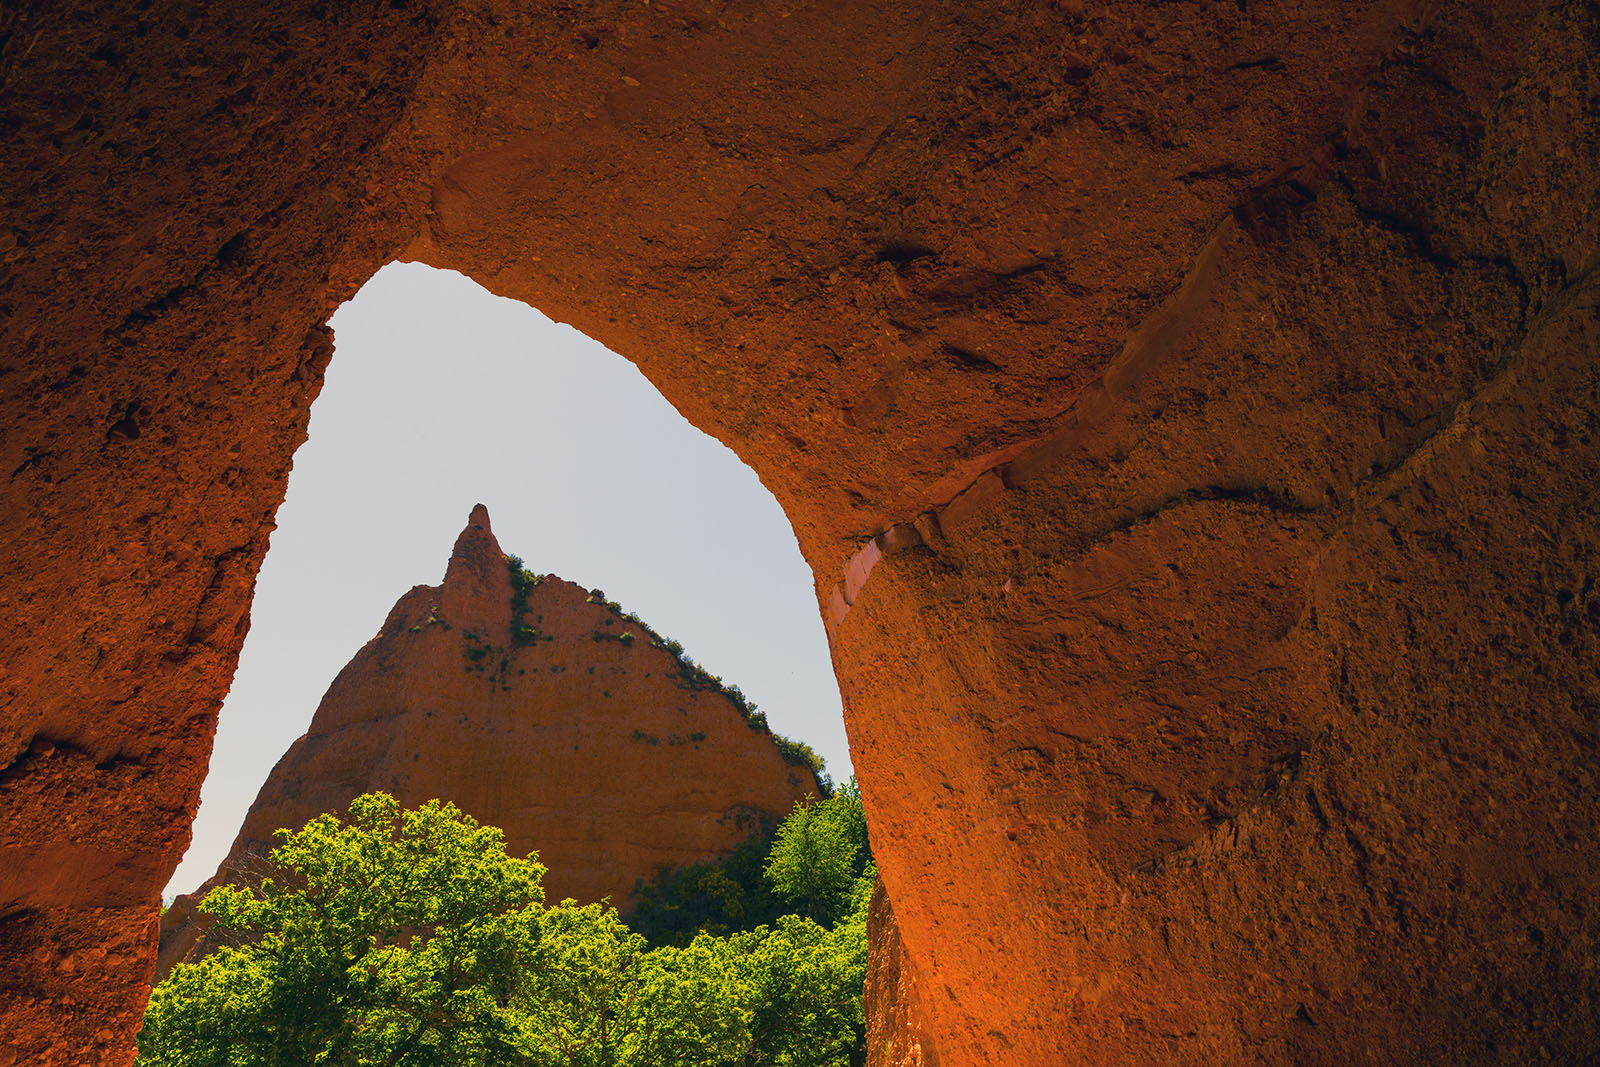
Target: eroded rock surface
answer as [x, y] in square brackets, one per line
[1213, 387]
[553, 718]
[897, 1034]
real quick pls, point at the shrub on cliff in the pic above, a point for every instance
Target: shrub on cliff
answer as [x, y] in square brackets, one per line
[800, 754]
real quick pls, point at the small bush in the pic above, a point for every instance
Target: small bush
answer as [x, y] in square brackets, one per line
[798, 753]
[523, 582]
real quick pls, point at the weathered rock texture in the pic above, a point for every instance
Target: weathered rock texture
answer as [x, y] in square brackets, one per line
[1217, 383]
[897, 1033]
[555, 719]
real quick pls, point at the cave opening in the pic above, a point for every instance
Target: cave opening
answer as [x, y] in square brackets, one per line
[442, 395]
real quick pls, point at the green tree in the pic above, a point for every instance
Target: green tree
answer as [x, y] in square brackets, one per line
[736, 893]
[819, 852]
[395, 938]
[843, 807]
[806, 983]
[717, 898]
[597, 996]
[410, 939]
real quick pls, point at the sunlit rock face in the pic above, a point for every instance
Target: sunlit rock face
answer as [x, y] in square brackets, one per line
[548, 715]
[1215, 383]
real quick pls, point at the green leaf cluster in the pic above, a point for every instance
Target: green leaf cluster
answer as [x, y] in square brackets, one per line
[410, 939]
[807, 981]
[397, 938]
[765, 877]
[691, 675]
[820, 852]
[721, 897]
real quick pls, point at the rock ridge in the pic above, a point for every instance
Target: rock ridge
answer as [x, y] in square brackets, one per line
[576, 734]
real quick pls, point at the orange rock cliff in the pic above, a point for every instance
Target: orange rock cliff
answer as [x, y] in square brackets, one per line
[550, 716]
[1188, 411]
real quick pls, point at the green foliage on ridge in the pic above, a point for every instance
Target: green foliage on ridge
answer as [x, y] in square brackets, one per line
[523, 582]
[800, 754]
[691, 675]
[694, 677]
[410, 939]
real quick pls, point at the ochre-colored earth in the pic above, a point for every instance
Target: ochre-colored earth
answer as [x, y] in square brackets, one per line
[555, 719]
[1189, 410]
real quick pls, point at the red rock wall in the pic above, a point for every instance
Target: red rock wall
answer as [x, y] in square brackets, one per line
[582, 744]
[177, 185]
[897, 1033]
[1215, 383]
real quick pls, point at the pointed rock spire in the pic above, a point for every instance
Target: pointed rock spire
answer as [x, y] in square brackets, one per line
[476, 593]
[583, 741]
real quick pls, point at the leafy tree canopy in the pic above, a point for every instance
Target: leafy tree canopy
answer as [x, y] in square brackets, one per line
[820, 851]
[741, 891]
[394, 938]
[807, 982]
[410, 939]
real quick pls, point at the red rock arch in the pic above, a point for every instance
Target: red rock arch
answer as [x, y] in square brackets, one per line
[1214, 383]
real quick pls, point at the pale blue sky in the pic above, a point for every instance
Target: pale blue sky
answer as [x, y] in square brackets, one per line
[441, 396]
